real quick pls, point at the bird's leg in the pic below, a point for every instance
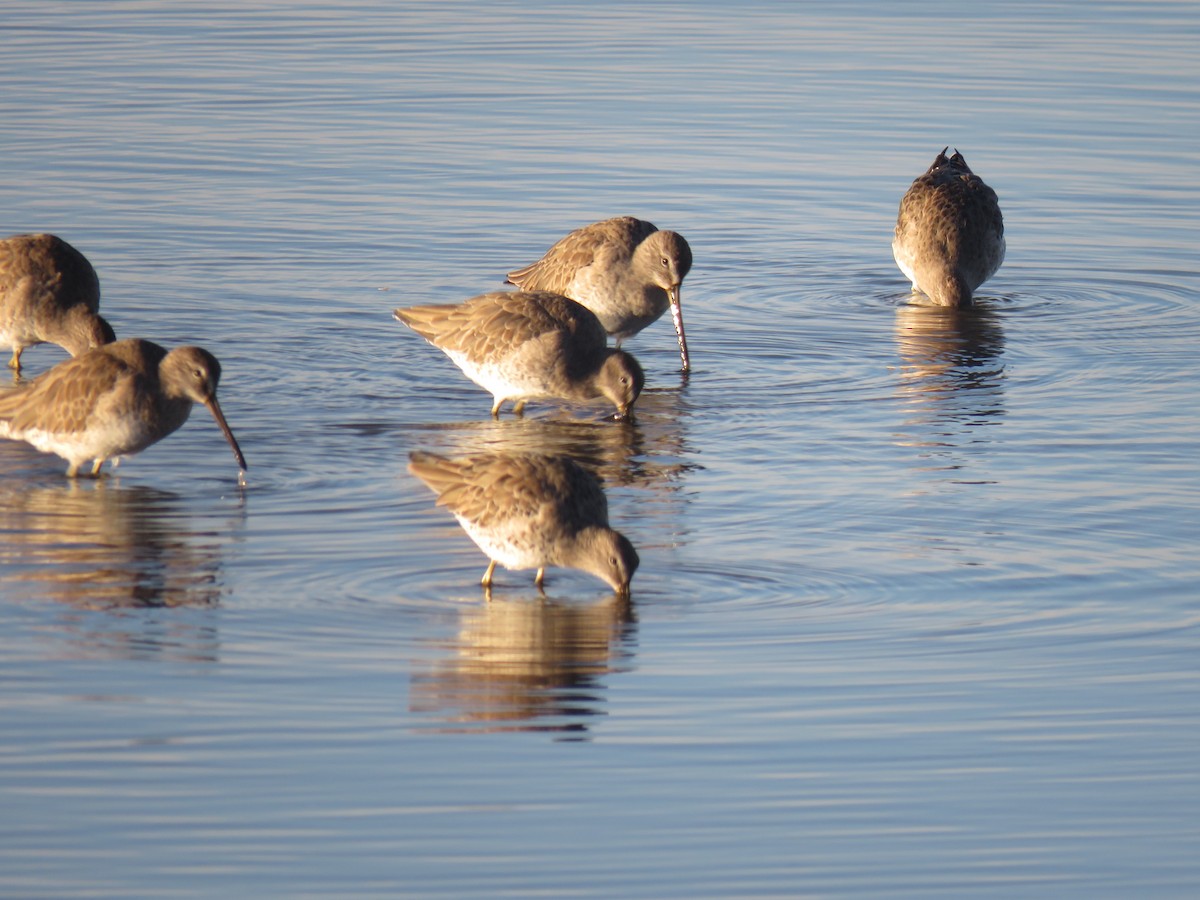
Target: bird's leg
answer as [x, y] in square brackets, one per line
[73, 470]
[487, 576]
[96, 466]
[519, 408]
[15, 362]
[539, 580]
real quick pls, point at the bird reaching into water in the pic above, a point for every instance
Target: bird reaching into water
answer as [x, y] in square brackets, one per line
[624, 270]
[949, 233]
[113, 401]
[524, 345]
[529, 510]
[49, 293]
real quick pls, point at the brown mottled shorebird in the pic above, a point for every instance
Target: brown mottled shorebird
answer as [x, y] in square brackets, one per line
[529, 511]
[949, 233]
[113, 401]
[528, 345]
[624, 270]
[49, 292]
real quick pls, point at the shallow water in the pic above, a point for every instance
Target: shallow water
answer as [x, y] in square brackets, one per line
[917, 610]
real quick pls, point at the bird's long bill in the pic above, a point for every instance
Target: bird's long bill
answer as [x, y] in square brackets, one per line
[215, 409]
[677, 319]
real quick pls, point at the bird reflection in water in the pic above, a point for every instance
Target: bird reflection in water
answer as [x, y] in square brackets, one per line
[650, 453]
[96, 545]
[528, 664]
[951, 375]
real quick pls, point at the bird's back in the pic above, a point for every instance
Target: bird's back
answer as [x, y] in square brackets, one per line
[67, 398]
[44, 269]
[949, 235]
[610, 241]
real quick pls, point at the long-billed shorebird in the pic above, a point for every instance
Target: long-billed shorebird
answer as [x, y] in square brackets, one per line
[524, 345]
[530, 511]
[113, 401]
[949, 232]
[624, 270]
[49, 293]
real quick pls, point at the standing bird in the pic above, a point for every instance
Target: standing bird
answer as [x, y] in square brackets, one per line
[949, 234]
[529, 511]
[113, 401]
[624, 270]
[49, 292]
[524, 345]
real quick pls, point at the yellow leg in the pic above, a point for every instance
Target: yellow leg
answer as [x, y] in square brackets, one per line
[15, 362]
[496, 407]
[96, 466]
[487, 576]
[519, 408]
[73, 470]
[539, 578]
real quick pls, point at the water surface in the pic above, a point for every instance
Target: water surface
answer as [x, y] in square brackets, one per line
[916, 614]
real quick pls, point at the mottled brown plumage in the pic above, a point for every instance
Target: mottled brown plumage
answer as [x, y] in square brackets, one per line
[529, 511]
[113, 401]
[49, 293]
[525, 345]
[624, 270]
[949, 233]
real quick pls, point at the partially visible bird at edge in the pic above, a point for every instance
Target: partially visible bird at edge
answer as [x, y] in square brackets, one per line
[114, 401]
[49, 293]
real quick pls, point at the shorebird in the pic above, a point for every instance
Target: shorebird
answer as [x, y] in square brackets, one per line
[49, 293]
[113, 401]
[949, 233]
[624, 270]
[527, 511]
[525, 345]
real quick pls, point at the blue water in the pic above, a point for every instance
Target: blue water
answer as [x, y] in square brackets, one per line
[917, 611]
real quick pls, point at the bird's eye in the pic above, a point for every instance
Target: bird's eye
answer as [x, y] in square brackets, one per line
[666, 263]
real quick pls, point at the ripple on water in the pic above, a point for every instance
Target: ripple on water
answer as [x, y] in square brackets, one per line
[1111, 303]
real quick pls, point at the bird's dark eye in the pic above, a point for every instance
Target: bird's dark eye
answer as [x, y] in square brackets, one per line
[666, 263]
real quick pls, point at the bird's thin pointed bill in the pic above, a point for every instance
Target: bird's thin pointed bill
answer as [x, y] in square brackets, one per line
[677, 319]
[215, 409]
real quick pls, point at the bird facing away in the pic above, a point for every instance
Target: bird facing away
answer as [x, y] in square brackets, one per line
[529, 511]
[113, 401]
[49, 293]
[949, 233]
[624, 270]
[524, 345]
